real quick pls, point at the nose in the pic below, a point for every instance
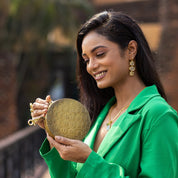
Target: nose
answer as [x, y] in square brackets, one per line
[92, 65]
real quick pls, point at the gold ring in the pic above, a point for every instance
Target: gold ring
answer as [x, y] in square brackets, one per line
[31, 108]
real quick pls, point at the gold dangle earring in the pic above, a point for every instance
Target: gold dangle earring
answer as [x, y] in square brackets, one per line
[131, 67]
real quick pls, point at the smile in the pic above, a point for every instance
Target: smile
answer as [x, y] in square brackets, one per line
[100, 75]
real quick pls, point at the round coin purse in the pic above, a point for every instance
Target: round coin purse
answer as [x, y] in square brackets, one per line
[66, 117]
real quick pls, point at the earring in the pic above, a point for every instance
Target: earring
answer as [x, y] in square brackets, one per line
[131, 67]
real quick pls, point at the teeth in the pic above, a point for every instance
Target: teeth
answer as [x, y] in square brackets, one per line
[100, 74]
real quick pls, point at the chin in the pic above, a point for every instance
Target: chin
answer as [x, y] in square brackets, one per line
[102, 85]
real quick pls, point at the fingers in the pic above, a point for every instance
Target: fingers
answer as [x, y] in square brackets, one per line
[52, 142]
[40, 107]
[39, 113]
[48, 98]
[63, 149]
[59, 140]
[40, 123]
[40, 103]
[39, 110]
[69, 149]
[64, 140]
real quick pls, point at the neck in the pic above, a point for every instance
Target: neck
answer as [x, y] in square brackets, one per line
[126, 92]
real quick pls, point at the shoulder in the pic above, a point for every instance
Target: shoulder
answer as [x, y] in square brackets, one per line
[157, 106]
[157, 112]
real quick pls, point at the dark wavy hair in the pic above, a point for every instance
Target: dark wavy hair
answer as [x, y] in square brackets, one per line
[121, 29]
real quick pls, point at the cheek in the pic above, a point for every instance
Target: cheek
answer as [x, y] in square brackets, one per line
[114, 65]
[119, 68]
[87, 69]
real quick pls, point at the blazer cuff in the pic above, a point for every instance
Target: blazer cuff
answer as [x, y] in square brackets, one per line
[46, 152]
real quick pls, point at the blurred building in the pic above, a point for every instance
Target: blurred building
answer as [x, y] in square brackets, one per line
[8, 83]
[36, 55]
[8, 89]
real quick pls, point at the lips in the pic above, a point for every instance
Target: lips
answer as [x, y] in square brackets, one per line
[100, 75]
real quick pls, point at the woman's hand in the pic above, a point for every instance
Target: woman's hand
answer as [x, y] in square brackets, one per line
[69, 149]
[39, 109]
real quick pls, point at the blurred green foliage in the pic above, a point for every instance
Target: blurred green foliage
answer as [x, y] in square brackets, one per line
[27, 23]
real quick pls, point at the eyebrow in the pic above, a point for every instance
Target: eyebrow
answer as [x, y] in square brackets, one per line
[94, 49]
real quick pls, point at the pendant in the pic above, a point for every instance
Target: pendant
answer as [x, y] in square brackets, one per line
[108, 125]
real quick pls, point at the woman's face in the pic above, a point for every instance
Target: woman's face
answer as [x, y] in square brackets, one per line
[105, 61]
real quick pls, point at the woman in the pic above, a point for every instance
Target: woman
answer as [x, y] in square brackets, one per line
[134, 131]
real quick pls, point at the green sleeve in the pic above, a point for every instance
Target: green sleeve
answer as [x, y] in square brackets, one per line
[159, 157]
[56, 165]
[95, 167]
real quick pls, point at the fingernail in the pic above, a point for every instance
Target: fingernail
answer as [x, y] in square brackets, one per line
[58, 137]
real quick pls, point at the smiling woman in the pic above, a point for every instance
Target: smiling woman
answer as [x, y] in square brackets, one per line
[119, 29]
[107, 63]
[131, 119]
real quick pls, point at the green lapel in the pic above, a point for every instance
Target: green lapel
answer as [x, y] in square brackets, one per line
[116, 132]
[123, 124]
[90, 138]
[142, 98]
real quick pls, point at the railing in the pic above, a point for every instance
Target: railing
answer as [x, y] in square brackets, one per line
[19, 154]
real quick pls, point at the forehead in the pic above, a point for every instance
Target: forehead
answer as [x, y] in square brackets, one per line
[93, 39]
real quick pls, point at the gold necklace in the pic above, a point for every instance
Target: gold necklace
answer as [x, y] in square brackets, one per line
[109, 124]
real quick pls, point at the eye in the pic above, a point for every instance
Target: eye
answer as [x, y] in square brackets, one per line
[100, 54]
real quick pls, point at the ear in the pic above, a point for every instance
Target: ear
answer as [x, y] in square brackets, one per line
[132, 48]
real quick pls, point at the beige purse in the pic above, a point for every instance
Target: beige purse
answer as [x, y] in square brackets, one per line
[66, 117]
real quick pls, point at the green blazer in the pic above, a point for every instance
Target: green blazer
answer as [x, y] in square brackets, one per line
[142, 143]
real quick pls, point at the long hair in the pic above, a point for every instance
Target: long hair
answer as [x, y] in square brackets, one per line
[121, 29]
